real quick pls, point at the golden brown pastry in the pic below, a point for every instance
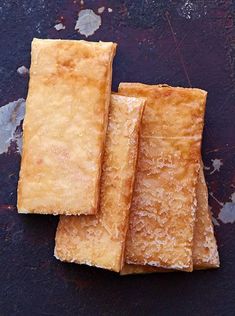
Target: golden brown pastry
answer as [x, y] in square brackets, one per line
[205, 252]
[65, 126]
[164, 200]
[100, 240]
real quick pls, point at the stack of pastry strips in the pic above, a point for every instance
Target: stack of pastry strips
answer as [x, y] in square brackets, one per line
[162, 218]
[128, 214]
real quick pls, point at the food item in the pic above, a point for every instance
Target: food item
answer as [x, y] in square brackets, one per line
[65, 126]
[205, 252]
[164, 200]
[100, 240]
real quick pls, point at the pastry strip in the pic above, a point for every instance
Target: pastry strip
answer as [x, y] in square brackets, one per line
[65, 126]
[100, 240]
[205, 251]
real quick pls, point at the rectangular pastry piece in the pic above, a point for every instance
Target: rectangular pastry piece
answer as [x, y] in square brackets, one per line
[65, 126]
[205, 252]
[162, 214]
[100, 240]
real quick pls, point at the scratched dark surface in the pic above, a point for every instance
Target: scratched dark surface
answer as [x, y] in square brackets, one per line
[159, 42]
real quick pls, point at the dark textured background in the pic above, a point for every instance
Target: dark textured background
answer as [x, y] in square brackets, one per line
[158, 43]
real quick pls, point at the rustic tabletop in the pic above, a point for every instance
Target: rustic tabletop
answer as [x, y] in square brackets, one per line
[185, 43]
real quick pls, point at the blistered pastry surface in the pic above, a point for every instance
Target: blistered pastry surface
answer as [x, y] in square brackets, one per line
[163, 208]
[99, 240]
[205, 252]
[65, 126]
